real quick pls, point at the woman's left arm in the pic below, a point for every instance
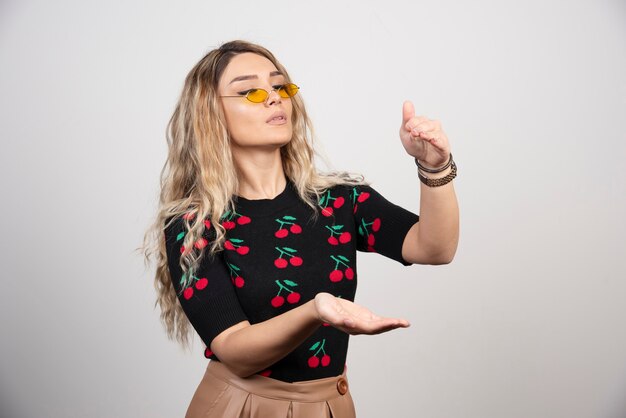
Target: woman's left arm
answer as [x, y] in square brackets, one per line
[434, 238]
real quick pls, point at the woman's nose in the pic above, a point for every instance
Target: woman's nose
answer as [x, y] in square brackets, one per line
[273, 97]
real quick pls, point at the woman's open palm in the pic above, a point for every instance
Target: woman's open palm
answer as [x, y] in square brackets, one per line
[352, 318]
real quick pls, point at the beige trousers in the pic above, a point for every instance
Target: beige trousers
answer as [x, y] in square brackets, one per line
[221, 393]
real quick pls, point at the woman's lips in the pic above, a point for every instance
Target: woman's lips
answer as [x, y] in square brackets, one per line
[279, 120]
[278, 114]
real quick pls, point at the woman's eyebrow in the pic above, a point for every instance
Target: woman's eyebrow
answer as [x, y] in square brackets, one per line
[253, 76]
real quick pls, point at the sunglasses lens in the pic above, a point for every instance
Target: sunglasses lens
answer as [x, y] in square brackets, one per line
[260, 95]
[288, 90]
[257, 96]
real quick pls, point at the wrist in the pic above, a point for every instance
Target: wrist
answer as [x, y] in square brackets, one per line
[437, 175]
[314, 312]
[438, 169]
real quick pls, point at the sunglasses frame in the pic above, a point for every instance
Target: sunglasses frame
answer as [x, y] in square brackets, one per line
[282, 87]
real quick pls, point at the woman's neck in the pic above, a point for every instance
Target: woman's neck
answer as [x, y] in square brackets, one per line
[261, 175]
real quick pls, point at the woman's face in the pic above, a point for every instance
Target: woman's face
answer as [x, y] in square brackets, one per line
[249, 123]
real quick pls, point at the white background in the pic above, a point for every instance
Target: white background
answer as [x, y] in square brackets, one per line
[529, 320]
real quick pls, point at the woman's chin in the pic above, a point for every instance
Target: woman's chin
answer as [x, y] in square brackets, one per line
[281, 140]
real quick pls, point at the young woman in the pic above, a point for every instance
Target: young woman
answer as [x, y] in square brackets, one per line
[256, 249]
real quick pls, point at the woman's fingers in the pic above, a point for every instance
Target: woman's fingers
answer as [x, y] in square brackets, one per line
[378, 326]
[424, 138]
[424, 126]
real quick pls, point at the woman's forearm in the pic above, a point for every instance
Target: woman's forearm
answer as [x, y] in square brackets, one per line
[439, 220]
[255, 347]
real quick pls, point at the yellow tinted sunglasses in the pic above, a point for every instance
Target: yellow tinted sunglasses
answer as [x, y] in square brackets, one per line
[260, 95]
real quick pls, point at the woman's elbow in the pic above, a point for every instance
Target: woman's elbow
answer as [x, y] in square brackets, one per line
[237, 368]
[441, 261]
[440, 258]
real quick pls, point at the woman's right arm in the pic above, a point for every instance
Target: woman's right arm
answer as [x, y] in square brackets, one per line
[247, 349]
[212, 307]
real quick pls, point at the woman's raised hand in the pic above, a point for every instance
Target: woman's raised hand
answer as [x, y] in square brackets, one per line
[423, 138]
[352, 318]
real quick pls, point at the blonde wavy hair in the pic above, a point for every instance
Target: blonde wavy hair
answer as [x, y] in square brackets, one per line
[199, 177]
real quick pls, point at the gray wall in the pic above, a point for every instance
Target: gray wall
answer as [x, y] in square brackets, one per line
[529, 319]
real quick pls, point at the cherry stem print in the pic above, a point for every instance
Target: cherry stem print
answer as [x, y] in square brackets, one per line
[201, 242]
[237, 280]
[235, 244]
[292, 298]
[336, 275]
[179, 237]
[364, 231]
[375, 224]
[283, 231]
[195, 282]
[325, 200]
[358, 197]
[315, 361]
[229, 218]
[344, 237]
[294, 260]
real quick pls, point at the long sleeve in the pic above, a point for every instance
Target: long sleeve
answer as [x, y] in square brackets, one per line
[210, 301]
[380, 224]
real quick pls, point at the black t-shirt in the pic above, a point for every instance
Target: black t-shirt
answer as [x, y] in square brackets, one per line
[277, 258]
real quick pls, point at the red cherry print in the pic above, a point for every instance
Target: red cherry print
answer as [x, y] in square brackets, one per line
[333, 241]
[370, 248]
[345, 237]
[295, 261]
[336, 275]
[229, 245]
[201, 243]
[349, 273]
[371, 239]
[293, 297]
[376, 225]
[266, 373]
[295, 228]
[281, 263]
[239, 282]
[314, 361]
[207, 223]
[281, 233]
[243, 220]
[326, 324]
[228, 224]
[354, 210]
[338, 202]
[243, 250]
[327, 211]
[278, 301]
[182, 249]
[207, 352]
[201, 284]
[363, 196]
[189, 216]
[325, 360]
[188, 293]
